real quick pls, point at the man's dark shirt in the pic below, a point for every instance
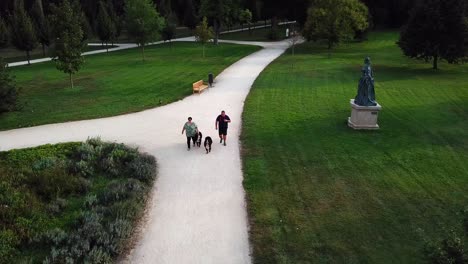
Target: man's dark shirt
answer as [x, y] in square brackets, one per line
[220, 119]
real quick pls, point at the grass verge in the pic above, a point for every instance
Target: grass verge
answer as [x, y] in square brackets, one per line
[320, 192]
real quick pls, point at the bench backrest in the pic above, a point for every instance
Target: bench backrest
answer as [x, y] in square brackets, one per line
[198, 84]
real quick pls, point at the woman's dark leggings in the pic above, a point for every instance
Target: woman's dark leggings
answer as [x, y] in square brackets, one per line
[188, 141]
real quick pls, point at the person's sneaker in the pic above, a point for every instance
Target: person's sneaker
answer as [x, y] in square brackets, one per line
[224, 143]
[221, 140]
[188, 149]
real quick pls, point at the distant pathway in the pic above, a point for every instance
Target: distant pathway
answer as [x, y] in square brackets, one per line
[123, 46]
[197, 213]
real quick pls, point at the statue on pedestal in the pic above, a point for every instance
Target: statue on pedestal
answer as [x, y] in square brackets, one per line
[366, 93]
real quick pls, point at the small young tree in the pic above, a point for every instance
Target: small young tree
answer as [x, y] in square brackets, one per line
[437, 29]
[168, 32]
[216, 11]
[335, 20]
[69, 36]
[8, 90]
[23, 36]
[104, 27]
[41, 25]
[143, 22]
[203, 33]
[3, 34]
[245, 17]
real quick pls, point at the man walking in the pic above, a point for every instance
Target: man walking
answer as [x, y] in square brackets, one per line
[191, 130]
[222, 122]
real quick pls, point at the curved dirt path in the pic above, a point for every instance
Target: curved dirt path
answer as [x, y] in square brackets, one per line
[197, 213]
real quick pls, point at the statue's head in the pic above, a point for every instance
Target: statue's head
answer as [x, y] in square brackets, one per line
[367, 60]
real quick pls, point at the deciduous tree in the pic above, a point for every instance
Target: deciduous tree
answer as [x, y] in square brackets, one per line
[143, 22]
[335, 20]
[216, 11]
[69, 36]
[437, 29]
[105, 28]
[203, 33]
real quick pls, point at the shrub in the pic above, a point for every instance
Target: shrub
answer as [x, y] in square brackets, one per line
[8, 90]
[8, 244]
[143, 168]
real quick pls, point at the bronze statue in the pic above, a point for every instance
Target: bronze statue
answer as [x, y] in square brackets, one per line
[366, 94]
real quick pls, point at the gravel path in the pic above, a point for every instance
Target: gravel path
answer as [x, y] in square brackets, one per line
[197, 213]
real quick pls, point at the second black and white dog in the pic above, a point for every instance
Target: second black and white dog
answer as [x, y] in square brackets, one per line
[198, 139]
[207, 144]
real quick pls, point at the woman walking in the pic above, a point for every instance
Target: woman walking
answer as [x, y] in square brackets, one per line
[191, 130]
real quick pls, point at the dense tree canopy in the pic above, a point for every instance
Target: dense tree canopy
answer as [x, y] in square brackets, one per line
[143, 22]
[437, 29]
[335, 20]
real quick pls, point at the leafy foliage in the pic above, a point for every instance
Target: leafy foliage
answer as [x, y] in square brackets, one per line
[335, 20]
[69, 36]
[203, 33]
[106, 29]
[216, 11]
[50, 204]
[143, 22]
[169, 31]
[8, 90]
[437, 29]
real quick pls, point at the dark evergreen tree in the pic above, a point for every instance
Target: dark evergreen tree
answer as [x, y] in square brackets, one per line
[437, 29]
[190, 19]
[41, 25]
[116, 26]
[23, 36]
[3, 33]
[104, 25]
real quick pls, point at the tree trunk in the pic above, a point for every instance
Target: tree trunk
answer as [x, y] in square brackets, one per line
[71, 80]
[203, 50]
[28, 57]
[43, 49]
[107, 48]
[143, 51]
[434, 63]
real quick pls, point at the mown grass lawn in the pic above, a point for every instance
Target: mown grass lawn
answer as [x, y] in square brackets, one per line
[320, 192]
[116, 83]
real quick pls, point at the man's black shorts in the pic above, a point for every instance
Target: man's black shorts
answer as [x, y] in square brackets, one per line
[222, 130]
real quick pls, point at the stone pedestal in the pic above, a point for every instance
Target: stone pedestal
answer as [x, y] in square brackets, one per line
[364, 117]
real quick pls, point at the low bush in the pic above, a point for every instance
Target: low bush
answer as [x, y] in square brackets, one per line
[76, 201]
[8, 90]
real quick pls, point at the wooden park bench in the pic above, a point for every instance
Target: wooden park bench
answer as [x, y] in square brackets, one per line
[199, 86]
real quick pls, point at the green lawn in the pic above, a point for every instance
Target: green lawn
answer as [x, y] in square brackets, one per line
[116, 83]
[320, 192]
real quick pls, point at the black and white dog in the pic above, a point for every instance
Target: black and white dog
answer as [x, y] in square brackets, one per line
[207, 144]
[198, 139]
